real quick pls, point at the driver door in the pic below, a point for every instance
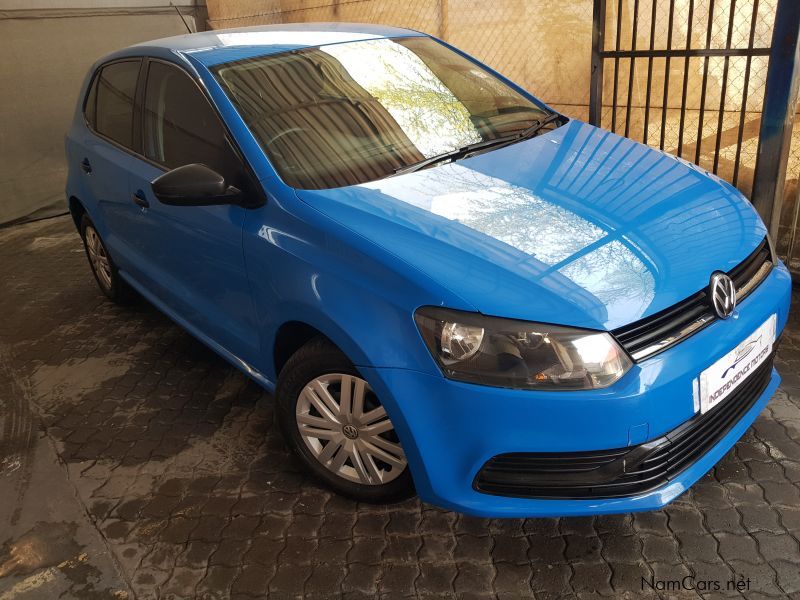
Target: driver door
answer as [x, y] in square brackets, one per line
[193, 259]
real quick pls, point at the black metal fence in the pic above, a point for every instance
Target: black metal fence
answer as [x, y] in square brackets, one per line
[712, 81]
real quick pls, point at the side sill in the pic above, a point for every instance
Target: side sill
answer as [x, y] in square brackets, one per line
[237, 362]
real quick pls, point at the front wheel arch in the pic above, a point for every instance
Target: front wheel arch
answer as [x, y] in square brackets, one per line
[314, 359]
[290, 337]
[298, 324]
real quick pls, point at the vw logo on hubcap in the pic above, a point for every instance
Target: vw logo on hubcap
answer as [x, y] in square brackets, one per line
[723, 295]
[350, 431]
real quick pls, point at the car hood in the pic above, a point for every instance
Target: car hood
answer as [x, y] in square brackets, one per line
[577, 226]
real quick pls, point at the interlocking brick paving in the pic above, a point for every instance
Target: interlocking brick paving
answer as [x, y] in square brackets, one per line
[176, 459]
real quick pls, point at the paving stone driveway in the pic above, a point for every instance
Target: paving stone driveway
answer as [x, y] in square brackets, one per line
[175, 457]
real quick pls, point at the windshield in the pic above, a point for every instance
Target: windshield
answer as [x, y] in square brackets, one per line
[355, 112]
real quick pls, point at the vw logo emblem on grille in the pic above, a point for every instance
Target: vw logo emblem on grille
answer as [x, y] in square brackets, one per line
[723, 295]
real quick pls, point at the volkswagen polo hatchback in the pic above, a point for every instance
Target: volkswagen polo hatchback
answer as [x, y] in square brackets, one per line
[450, 287]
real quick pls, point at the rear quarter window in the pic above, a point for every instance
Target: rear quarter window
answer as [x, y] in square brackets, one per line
[90, 105]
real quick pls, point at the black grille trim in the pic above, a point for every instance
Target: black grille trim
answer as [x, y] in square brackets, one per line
[656, 333]
[623, 471]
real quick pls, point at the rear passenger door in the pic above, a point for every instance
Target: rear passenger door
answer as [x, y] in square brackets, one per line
[193, 259]
[107, 155]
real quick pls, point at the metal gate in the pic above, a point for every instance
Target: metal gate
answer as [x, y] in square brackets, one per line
[711, 81]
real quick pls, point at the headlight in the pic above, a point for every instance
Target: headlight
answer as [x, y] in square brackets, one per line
[520, 354]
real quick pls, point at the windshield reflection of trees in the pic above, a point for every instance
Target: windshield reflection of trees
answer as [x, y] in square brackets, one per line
[427, 111]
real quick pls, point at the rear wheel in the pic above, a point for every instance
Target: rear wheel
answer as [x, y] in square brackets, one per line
[335, 423]
[105, 271]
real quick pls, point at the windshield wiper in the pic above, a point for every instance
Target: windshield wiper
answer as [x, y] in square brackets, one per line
[537, 125]
[455, 154]
[477, 146]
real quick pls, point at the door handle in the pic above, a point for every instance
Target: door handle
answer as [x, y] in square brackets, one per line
[140, 200]
[86, 165]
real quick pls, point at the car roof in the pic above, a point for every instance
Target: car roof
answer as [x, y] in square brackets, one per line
[226, 45]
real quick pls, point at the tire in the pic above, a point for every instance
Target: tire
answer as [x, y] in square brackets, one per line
[105, 271]
[354, 467]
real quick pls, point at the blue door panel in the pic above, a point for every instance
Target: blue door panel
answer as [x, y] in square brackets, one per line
[191, 259]
[108, 184]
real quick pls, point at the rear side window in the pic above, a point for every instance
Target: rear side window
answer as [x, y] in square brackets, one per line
[180, 125]
[116, 88]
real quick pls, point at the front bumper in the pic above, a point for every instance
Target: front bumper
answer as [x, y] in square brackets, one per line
[451, 429]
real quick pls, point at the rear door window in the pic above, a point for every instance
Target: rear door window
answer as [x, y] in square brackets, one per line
[116, 89]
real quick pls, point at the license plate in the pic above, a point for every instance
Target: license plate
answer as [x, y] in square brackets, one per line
[719, 380]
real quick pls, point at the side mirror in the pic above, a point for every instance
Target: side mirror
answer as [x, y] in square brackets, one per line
[194, 185]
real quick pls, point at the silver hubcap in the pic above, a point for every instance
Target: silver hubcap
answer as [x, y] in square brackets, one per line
[98, 257]
[348, 431]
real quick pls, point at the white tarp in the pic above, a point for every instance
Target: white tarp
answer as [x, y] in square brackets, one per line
[46, 49]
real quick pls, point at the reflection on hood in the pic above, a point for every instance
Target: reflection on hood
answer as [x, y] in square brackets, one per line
[577, 226]
[588, 255]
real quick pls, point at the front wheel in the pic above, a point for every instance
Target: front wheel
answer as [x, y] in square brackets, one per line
[336, 424]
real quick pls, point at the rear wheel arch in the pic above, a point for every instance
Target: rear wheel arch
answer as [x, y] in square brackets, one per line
[77, 210]
[103, 268]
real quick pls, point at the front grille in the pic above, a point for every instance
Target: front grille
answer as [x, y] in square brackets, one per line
[664, 329]
[624, 471]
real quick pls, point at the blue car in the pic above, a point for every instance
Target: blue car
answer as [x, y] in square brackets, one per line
[452, 289]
